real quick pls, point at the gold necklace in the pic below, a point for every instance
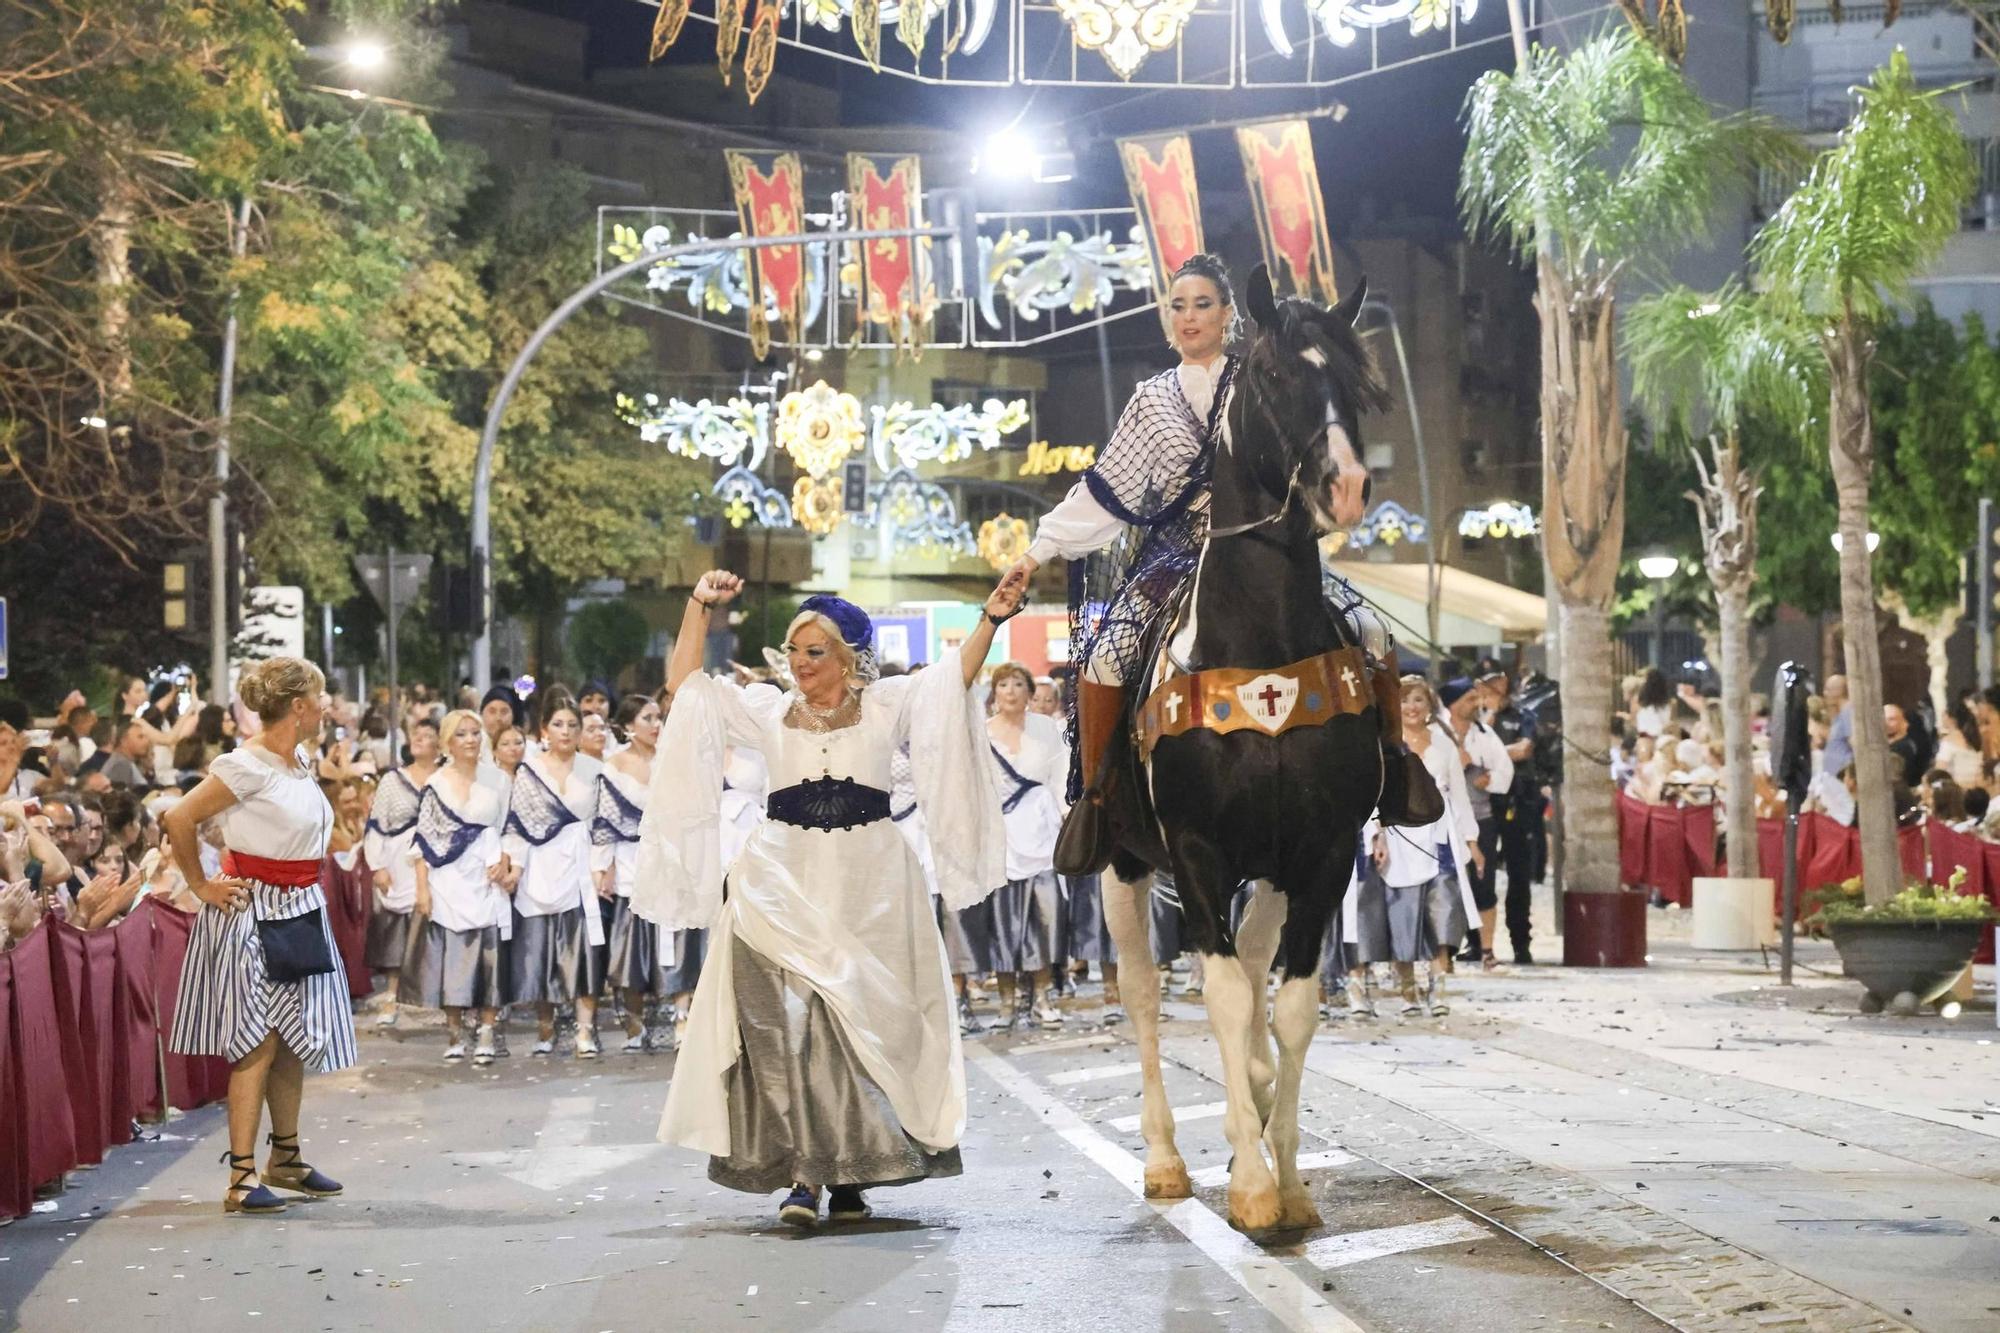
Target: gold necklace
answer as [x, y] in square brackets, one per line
[807, 716]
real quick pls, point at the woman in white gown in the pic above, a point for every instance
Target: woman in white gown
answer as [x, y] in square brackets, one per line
[1025, 913]
[556, 956]
[822, 1049]
[457, 958]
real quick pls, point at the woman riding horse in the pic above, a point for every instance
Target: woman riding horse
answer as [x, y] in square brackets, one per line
[1260, 756]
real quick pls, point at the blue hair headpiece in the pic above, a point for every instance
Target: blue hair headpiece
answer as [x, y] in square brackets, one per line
[857, 631]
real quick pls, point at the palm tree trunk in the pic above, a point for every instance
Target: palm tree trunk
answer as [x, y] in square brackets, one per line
[1739, 805]
[1583, 525]
[1851, 451]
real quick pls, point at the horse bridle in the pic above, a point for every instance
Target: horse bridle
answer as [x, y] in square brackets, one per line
[1291, 483]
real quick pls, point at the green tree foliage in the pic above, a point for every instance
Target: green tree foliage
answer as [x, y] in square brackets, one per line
[606, 637]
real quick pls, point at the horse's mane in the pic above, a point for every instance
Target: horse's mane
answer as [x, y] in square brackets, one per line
[1278, 350]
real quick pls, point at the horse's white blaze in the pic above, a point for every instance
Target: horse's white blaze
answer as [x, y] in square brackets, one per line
[1312, 356]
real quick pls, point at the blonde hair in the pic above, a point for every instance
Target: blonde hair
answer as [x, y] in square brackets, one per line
[454, 722]
[268, 688]
[838, 646]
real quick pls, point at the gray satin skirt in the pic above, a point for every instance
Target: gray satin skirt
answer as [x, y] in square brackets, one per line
[680, 978]
[958, 951]
[388, 939]
[456, 969]
[1086, 933]
[632, 962]
[801, 1107]
[1406, 925]
[1025, 915]
[972, 928]
[550, 961]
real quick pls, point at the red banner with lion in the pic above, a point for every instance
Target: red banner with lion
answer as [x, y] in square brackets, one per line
[1160, 172]
[885, 193]
[770, 201]
[1291, 214]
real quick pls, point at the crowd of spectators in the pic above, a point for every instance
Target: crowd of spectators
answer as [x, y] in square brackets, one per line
[1669, 751]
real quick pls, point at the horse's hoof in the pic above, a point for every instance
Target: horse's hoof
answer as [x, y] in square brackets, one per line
[1169, 1181]
[1297, 1212]
[1255, 1210]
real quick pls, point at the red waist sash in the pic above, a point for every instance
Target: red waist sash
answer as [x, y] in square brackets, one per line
[270, 870]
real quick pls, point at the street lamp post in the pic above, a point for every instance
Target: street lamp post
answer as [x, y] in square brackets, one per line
[1659, 568]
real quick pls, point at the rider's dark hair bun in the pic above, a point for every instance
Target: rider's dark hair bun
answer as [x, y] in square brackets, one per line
[1205, 265]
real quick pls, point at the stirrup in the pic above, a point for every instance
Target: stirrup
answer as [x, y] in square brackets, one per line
[295, 1175]
[255, 1198]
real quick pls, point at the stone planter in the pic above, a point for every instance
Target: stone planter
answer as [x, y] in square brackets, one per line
[1604, 929]
[1905, 964]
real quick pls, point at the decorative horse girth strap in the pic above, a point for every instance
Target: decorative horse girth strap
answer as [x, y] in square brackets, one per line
[1224, 699]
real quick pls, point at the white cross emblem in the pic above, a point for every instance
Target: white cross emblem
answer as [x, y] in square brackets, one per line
[1349, 680]
[1268, 700]
[1173, 707]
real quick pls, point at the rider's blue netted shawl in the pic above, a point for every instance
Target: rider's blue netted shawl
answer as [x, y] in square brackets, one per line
[1153, 474]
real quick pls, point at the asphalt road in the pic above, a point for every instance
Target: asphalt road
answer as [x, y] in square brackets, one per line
[532, 1195]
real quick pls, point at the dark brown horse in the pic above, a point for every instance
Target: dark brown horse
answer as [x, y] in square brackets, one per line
[1257, 752]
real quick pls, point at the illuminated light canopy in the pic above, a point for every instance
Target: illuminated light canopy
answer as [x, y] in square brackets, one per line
[732, 432]
[819, 427]
[816, 504]
[1125, 32]
[919, 515]
[1391, 525]
[1003, 539]
[1063, 272]
[746, 498]
[936, 434]
[1340, 20]
[1500, 519]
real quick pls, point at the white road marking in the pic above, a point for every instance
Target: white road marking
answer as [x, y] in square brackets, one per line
[1125, 1124]
[560, 1156]
[1069, 1076]
[1219, 1175]
[1359, 1246]
[1288, 1296]
[1071, 1044]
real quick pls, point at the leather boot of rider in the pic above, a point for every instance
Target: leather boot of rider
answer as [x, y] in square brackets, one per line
[1084, 846]
[1388, 701]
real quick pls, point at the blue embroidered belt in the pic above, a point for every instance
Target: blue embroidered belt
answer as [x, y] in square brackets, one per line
[828, 803]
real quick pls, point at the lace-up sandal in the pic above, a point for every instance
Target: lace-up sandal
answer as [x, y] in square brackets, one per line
[293, 1174]
[245, 1195]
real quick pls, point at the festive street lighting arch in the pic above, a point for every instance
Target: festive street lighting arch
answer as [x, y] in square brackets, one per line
[482, 472]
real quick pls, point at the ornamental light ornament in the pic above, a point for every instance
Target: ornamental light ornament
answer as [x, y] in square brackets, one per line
[1125, 32]
[819, 427]
[1003, 540]
[1391, 525]
[816, 504]
[1503, 518]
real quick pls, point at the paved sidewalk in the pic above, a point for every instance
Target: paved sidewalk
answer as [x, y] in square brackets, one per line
[1726, 1152]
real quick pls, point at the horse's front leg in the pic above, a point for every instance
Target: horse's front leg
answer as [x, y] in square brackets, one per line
[1128, 911]
[1256, 945]
[1312, 898]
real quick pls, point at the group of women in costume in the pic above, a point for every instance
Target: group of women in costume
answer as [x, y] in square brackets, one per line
[504, 873]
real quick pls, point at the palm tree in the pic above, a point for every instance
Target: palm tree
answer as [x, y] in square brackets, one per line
[1875, 210]
[1593, 163]
[1734, 356]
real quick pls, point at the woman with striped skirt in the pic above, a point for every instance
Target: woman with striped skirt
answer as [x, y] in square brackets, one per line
[633, 966]
[556, 955]
[262, 985]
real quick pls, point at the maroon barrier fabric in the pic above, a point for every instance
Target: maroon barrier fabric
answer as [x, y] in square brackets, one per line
[1836, 853]
[86, 996]
[16, 1194]
[1910, 850]
[192, 1080]
[1632, 834]
[40, 1100]
[1666, 855]
[1990, 853]
[138, 1015]
[1771, 850]
[350, 897]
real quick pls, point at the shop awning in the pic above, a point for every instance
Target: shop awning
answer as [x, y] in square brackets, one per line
[1471, 609]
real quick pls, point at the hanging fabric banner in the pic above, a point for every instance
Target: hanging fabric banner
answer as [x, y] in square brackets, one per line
[770, 201]
[885, 193]
[1160, 173]
[1291, 215]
